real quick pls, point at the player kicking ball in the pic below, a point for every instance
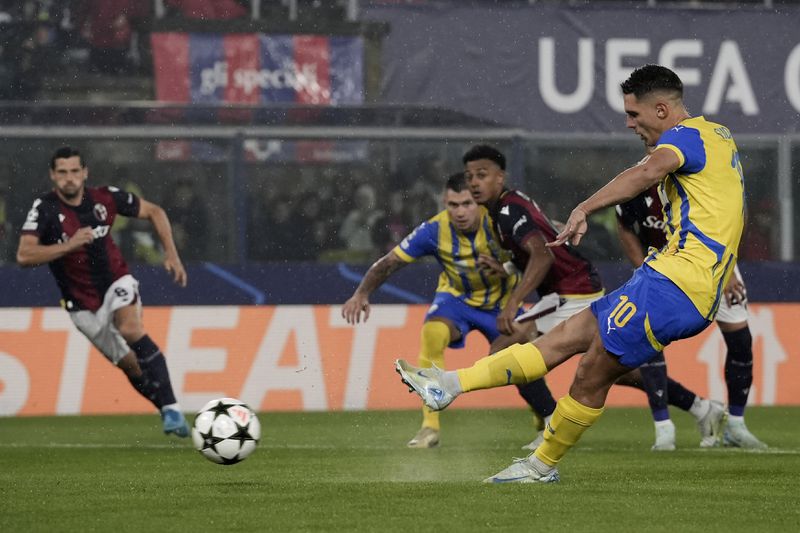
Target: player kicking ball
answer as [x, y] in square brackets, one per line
[675, 294]
[69, 229]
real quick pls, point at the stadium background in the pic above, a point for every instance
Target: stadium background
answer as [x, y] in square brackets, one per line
[294, 142]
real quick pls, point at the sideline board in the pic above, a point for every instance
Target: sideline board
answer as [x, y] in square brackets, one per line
[304, 357]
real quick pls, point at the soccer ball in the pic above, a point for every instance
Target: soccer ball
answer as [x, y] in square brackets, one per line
[226, 431]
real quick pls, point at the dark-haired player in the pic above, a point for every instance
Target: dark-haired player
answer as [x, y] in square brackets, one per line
[69, 228]
[641, 227]
[565, 281]
[461, 238]
[563, 292]
[675, 294]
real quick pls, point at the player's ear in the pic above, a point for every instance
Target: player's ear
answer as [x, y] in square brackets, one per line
[662, 110]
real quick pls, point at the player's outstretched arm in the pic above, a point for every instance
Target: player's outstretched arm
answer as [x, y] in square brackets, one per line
[540, 259]
[623, 187]
[31, 252]
[158, 217]
[374, 278]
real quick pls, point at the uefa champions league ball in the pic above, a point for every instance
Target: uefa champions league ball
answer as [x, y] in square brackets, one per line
[226, 431]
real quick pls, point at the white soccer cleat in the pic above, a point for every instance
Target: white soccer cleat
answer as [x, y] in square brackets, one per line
[738, 436]
[427, 383]
[522, 470]
[535, 442]
[425, 438]
[711, 424]
[665, 437]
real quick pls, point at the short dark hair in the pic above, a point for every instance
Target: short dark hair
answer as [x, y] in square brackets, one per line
[65, 152]
[484, 151]
[456, 182]
[652, 78]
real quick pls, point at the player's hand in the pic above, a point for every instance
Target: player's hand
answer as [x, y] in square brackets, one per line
[175, 268]
[352, 309]
[491, 266]
[80, 238]
[574, 229]
[735, 291]
[505, 321]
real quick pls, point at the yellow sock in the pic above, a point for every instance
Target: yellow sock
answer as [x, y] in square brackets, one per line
[517, 364]
[570, 419]
[434, 339]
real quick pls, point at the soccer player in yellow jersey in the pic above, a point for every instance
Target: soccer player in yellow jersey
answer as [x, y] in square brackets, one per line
[470, 296]
[675, 294]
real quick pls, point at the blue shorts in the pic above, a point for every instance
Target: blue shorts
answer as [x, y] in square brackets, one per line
[465, 317]
[640, 318]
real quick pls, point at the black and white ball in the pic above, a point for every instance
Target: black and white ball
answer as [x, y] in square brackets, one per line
[226, 431]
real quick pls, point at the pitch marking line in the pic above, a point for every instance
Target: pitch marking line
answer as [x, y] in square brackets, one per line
[276, 446]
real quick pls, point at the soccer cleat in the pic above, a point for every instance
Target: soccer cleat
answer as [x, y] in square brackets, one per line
[665, 438]
[738, 436]
[710, 425]
[535, 442]
[426, 382]
[175, 423]
[522, 470]
[425, 438]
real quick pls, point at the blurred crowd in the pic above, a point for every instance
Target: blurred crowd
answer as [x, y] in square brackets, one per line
[71, 37]
[288, 212]
[335, 215]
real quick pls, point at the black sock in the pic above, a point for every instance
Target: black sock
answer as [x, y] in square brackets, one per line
[738, 368]
[679, 396]
[654, 379]
[154, 370]
[538, 396]
[145, 387]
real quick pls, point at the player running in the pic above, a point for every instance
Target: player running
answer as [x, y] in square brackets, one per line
[468, 297]
[68, 228]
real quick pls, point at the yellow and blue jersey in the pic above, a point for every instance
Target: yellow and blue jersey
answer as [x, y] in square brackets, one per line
[457, 252]
[703, 210]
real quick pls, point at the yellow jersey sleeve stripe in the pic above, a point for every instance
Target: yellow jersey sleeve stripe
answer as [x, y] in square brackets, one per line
[675, 149]
[402, 255]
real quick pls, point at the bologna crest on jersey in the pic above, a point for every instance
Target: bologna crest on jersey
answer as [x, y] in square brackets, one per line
[100, 212]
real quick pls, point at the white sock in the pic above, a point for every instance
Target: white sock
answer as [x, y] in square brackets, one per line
[732, 419]
[662, 423]
[539, 465]
[451, 383]
[700, 407]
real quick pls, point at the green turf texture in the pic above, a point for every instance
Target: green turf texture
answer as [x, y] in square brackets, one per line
[352, 472]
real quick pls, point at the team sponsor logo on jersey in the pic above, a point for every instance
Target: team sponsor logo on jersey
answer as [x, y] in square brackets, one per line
[100, 212]
[655, 222]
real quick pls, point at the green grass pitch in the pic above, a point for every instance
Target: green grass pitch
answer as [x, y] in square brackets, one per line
[352, 472]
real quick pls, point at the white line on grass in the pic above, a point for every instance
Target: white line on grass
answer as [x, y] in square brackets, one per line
[278, 446]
